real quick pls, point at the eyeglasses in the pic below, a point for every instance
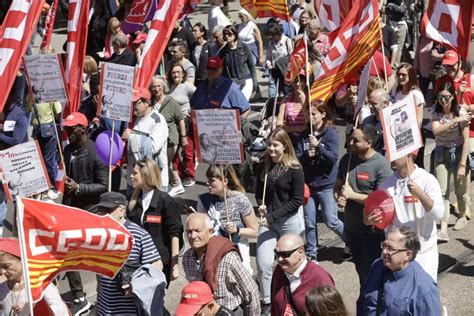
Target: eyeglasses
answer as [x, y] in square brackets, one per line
[389, 249]
[285, 254]
[444, 97]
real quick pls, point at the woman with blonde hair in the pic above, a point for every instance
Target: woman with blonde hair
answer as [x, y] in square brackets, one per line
[90, 68]
[226, 196]
[157, 213]
[114, 28]
[280, 196]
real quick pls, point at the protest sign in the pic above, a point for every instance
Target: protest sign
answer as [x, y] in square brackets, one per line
[401, 131]
[217, 136]
[363, 82]
[22, 170]
[45, 76]
[116, 91]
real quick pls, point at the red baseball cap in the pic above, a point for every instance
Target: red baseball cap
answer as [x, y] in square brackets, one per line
[141, 93]
[141, 37]
[215, 62]
[193, 296]
[451, 57]
[11, 246]
[74, 119]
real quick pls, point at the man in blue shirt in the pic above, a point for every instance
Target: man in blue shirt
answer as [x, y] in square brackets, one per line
[397, 284]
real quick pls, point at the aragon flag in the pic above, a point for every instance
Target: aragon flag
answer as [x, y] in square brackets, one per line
[267, 8]
[55, 238]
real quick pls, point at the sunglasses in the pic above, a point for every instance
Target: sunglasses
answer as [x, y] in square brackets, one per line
[285, 254]
[444, 97]
[227, 33]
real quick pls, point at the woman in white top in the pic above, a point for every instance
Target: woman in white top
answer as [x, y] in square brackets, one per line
[407, 87]
[250, 34]
[450, 125]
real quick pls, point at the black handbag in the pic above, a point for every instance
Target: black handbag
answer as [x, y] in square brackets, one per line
[45, 129]
[124, 277]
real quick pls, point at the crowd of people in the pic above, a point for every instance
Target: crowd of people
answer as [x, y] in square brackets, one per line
[301, 173]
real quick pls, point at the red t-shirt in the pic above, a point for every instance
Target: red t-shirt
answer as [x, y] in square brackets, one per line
[377, 65]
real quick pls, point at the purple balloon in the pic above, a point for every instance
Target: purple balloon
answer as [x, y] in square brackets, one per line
[102, 147]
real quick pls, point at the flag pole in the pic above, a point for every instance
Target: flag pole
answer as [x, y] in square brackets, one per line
[383, 54]
[412, 202]
[306, 60]
[274, 121]
[110, 154]
[226, 209]
[24, 254]
[60, 148]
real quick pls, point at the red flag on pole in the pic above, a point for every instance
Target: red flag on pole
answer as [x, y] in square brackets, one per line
[449, 23]
[355, 42]
[331, 13]
[52, 243]
[15, 35]
[49, 25]
[297, 61]
[77, 25]
[267, 8]
[160, 31]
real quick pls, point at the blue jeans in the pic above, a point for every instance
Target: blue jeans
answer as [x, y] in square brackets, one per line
[324, 198]
[3, 212]
[266, 243]
[49, 148]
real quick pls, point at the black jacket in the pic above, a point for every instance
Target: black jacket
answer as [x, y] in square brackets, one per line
[244, 64]
[127, 58]
[89, 172]
[162, 220]
[201, 71]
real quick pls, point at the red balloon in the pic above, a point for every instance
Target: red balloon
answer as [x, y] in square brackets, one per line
[380, 201]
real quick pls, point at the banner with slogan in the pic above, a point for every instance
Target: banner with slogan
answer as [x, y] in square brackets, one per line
[355, 41]
[23, 171]
[54, 243]
[46, 78]
[267, 8]
[15, 35]
[217, 135]
[401, 132]
[116, 91]
[160, 31]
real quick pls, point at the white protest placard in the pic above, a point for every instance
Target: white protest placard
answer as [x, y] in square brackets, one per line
[45, 76]
[401, 131]
[362, 90]
[217, 136]
[22, 170]
[116, 92]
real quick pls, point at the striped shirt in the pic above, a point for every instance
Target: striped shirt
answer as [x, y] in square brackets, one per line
[110, 301]
[451, 137]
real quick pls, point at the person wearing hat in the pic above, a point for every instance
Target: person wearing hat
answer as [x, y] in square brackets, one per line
[148, 138]
[396, 283]
[112, 297]
[418, 205]
[86, 179]
[139, 44]
[13, 295]
[197, 299]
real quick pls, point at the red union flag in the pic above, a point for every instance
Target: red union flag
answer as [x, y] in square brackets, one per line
[160, 31]
[331, 13]
[449, 22]
[354, 43]
[15, 35]
[53, 243]
[76, 49]
[266, 8]
[297, 61]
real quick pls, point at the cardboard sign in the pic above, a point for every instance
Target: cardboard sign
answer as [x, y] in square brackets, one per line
[116, 92]
[217, 136]
[45, 76]
[401, 131]
[22, 171]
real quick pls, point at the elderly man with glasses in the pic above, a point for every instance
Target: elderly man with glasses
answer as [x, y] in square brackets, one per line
[294, 276]
[397, 284]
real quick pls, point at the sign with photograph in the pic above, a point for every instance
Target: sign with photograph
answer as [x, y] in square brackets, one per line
[46, 78]
[217, 136]
[401, 131]
[116, 92]
[22, 170]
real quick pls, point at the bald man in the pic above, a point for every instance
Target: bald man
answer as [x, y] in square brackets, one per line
[216, 260]
[378, 99]
[294, 276]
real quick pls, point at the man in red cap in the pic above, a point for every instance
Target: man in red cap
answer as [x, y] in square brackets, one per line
[148, 137]
[197, 299]
[86, 180]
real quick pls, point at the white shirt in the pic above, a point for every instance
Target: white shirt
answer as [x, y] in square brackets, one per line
[295, 278]
[216, 17]
[146, 199]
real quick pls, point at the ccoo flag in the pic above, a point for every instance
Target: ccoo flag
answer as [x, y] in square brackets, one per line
[267, 8]
[59, 238]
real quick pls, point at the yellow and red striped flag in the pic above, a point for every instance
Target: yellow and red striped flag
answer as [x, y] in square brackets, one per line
[354, 42]
[267, 8]
[55, 238]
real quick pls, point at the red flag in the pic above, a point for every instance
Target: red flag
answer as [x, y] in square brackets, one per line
[331, 13]
[49, 25]
[53, 243]
[78, 21]
[15, 35]
[297, 61]
[189, 6]
[160, 31]
[449, 22]
[267, 8]
[355, 42]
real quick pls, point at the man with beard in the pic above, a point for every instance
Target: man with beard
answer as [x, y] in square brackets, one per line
[86, 180]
